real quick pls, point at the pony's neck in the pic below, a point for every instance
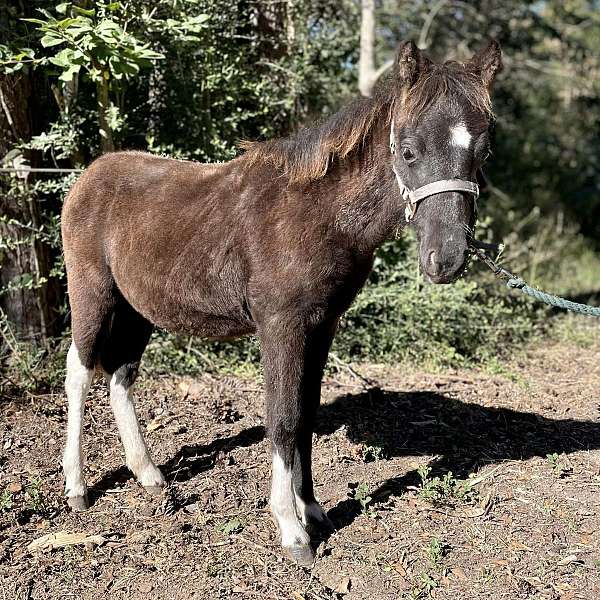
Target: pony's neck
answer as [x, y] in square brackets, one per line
[368, 207]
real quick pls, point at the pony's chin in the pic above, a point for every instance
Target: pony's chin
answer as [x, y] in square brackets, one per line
[442, 278]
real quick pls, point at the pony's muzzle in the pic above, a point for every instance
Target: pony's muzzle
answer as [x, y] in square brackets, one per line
[444, 264]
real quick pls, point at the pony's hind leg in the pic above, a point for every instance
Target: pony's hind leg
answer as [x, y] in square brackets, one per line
[92, 301]
[77, 383]
[120, 359]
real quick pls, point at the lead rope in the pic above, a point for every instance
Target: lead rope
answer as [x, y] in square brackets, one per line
[515, 282]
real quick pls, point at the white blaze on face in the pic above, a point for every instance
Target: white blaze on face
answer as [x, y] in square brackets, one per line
[460, 136]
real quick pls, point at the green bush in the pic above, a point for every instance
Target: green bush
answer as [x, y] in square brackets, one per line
[398, 317]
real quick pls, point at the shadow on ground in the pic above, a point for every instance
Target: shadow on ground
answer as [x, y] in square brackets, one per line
[463, 436]
[193, 460]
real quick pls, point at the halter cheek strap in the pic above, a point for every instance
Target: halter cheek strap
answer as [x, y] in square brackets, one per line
[413, 197]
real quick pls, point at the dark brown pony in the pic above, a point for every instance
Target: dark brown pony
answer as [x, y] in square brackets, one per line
[277, 242]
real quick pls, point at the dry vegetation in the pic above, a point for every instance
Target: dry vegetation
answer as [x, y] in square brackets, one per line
[518, 517]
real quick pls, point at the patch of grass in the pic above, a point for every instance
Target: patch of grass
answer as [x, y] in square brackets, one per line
[6, 501]
[446, 490]
[169, 353]
[576, 330]
[235, 525]
[559, 467]
[29, 367]
[497, 367]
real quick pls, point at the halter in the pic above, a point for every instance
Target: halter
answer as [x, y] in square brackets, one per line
[413, 197]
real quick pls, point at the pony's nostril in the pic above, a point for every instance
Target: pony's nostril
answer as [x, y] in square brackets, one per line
[433, 260]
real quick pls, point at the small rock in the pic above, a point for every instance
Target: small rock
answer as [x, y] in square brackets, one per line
[15, 487]
[147, 510]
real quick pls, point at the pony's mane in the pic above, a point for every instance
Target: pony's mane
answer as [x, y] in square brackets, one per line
[307, 154]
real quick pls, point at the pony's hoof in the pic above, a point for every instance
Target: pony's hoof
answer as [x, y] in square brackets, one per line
[154, 490]
[78, 503]
[302, 554]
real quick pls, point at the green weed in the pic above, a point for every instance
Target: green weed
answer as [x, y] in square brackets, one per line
[360, 493]
[35, 499]
[6, 501]
[235, 525]
[443, 490]
[436, 550]
[559, 467]
[372, 453]
[427, 585]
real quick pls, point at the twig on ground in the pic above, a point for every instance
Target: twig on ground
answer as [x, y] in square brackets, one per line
[366, 381]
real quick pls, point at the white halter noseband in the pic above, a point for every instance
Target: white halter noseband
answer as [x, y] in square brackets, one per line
[413, 197]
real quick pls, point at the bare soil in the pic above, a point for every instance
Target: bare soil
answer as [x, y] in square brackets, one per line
[529, 528]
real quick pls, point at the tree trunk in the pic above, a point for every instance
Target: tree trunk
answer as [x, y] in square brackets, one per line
[366, 62]
[107, 143]
[368, 74]
[27, 307]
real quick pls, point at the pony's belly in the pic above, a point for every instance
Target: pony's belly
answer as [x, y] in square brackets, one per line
[198, 304]
[217, 327]
[204, 322]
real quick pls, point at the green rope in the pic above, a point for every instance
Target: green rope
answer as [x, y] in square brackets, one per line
[512, 281]
[584, 309]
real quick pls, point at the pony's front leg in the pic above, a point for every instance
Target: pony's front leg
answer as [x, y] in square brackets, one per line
[311, 513]
[283, 351]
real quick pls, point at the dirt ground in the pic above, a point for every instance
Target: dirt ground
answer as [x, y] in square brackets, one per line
[527, 528]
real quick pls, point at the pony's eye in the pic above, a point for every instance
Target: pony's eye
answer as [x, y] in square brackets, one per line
[408, 155]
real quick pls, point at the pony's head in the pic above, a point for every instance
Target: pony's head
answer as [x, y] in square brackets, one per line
[439, 139]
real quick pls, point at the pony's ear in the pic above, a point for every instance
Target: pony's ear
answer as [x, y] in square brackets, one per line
[487, 62]
[410, 63]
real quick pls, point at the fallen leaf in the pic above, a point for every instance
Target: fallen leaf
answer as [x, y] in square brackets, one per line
[155, 424]
[60, 539]
[500, 562]
[343, 587]
[298, 596]
[519, 546]
[195, 390]
[479, 511]
[15, 487]
[161, 421]
[459, 573]
[567, 560]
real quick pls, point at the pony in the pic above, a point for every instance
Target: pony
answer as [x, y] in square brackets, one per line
[277, 242]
